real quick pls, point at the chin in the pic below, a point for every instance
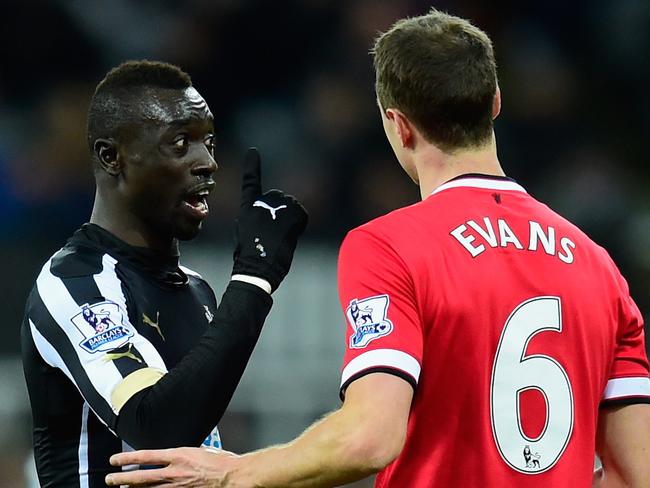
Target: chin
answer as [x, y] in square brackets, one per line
[188, 231]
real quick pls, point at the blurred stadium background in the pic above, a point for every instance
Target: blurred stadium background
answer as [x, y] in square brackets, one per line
[295, 79]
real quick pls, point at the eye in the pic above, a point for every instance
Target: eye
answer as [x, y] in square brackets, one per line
[209, 142]
[180, 143]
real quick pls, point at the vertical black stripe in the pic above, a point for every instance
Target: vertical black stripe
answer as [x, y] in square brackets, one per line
[76, 262]
[56, 420]
[125, 364]
[83, 290]
[131, 308]
[51, 331]
[80, 284]
[102, 444]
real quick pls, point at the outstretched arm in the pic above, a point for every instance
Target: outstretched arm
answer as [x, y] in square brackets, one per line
[623, 445]
[160, 416]
[361, 438]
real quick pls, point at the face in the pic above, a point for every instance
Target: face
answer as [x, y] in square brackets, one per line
[168, 163]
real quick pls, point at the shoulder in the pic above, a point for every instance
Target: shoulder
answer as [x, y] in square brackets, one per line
[594, 258]
[190, 272]
[194, 276]
[379, 246]
[75, 261]
[386, 232]
[76, 275]
[198, 283]
[598, 254]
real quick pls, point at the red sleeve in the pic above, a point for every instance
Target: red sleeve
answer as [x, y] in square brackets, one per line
[629, 379]
[382, 322]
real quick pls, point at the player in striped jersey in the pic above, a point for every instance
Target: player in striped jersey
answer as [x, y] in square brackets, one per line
[122, 346]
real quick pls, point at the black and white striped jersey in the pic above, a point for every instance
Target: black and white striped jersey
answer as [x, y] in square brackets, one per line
[104, 321]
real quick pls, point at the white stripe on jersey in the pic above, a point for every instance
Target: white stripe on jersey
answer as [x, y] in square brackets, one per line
[62, 307]
[47, 351]
[189, 271]
[53, 358]
[110, 287]
[129, 467]
[627, 387]
[83, 448]
[484, 183]
[103, 375]
[378, 358]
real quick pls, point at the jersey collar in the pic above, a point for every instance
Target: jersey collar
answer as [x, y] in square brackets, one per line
[485, 182]
[164, 268]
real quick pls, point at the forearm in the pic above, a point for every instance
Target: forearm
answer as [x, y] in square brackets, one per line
[332, 452]
[610, 480]
[183, 407]
[623, 446]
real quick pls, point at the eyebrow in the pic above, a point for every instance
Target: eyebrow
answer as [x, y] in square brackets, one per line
[176, 123]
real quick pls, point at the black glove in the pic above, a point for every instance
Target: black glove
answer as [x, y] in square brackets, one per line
[268, 227]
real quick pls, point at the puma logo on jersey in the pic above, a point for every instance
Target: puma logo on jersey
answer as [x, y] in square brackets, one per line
[117, 354]
[273, 210]
[147, 321]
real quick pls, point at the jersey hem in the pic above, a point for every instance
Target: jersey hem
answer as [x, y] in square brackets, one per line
[377, 369]
[630, 386]
[382, 358]
[622, 401]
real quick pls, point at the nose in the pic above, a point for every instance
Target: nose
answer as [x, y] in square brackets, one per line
[204, 166]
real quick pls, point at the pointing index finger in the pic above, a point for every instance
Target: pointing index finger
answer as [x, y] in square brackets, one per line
[252, 179]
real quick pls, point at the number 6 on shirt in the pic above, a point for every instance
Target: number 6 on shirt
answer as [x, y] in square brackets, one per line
[513, 373]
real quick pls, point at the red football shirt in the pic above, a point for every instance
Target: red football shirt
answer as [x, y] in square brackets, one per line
[512, 325]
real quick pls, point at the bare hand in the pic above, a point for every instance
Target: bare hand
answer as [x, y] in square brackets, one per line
[182, 467]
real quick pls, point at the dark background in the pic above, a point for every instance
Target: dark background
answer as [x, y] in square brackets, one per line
[295, 79]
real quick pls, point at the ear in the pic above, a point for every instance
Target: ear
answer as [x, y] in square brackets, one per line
[496, 103]
[108, 156]
[402, 126]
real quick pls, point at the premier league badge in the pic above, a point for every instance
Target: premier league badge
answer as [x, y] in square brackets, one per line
[102, 324]
[368, 318]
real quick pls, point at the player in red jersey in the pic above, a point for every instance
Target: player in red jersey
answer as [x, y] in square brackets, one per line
[490, 342]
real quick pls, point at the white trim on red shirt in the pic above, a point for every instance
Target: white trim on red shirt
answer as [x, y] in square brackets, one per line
[483, 183]
[627, 387]
[382, 358]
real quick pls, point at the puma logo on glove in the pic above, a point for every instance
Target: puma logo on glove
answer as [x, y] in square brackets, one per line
[264, 248]
[260, 203]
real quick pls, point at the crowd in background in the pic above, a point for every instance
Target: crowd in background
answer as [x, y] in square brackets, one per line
[295, 79]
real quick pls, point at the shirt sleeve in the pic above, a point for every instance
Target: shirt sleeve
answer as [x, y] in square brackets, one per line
[629, 379]
[384, 332]
[81, 326]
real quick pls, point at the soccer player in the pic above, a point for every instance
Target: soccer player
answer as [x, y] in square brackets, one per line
[490, 342]
[123, 346]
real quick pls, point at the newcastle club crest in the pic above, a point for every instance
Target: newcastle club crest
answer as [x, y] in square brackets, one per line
[368, 318]
[102, 325]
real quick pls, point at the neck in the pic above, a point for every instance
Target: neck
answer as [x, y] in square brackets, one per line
[435, 167]
[124, 225]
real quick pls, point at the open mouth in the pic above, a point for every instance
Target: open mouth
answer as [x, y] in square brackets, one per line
[197, 204]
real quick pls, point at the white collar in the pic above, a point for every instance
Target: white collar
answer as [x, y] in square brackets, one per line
[478, 182]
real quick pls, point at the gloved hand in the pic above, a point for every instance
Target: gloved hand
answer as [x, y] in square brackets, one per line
[268, 227]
